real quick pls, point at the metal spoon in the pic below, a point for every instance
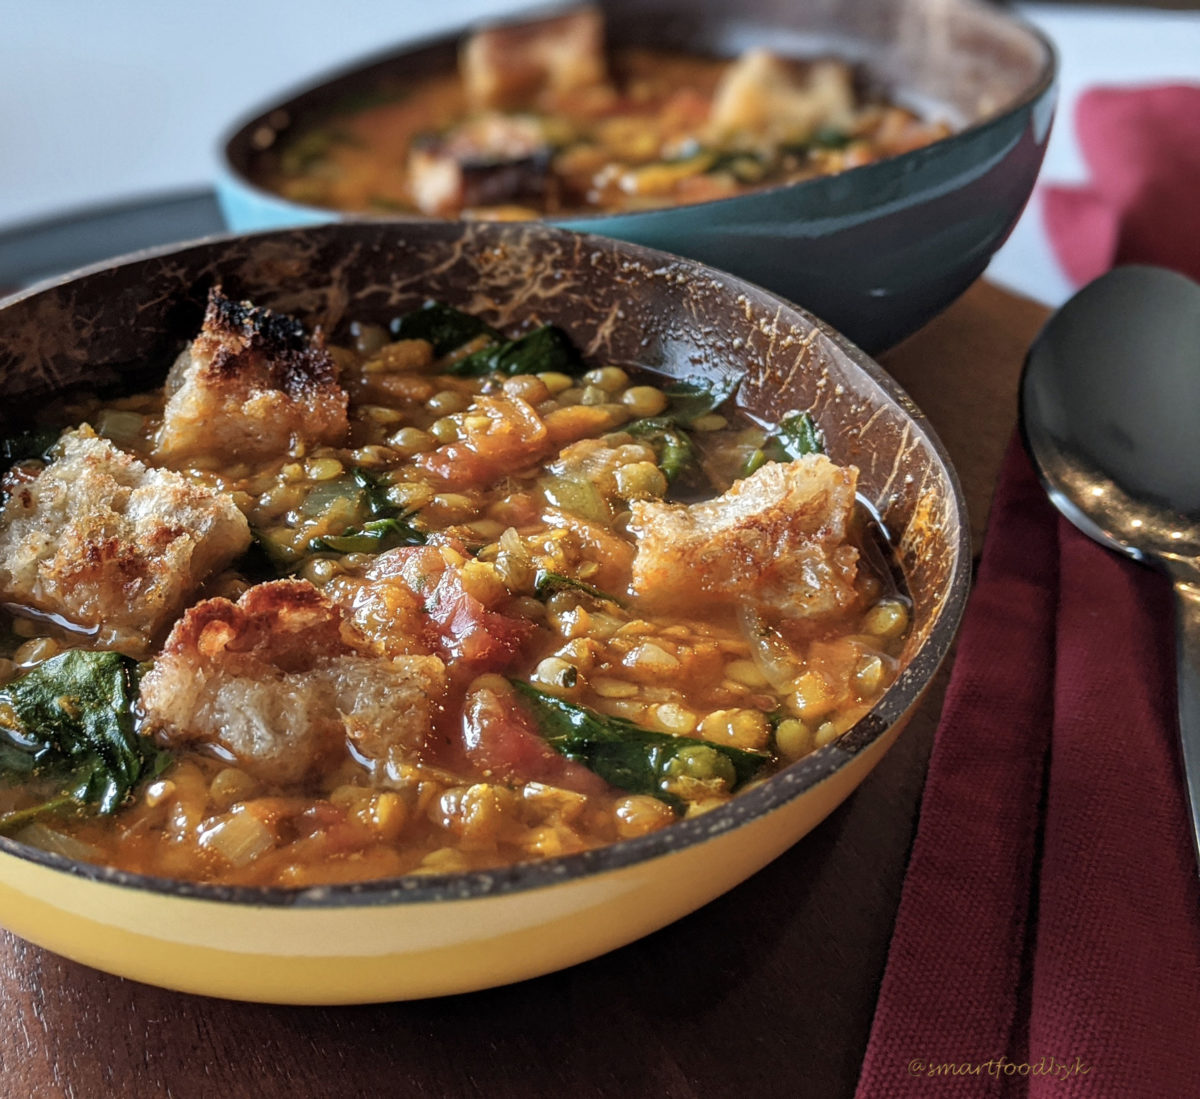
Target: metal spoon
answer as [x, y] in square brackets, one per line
[1110, 410]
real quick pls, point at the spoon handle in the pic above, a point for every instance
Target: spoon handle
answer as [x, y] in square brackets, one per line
[1187, 660]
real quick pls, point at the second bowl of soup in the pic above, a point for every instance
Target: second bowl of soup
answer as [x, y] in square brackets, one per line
[864, 160]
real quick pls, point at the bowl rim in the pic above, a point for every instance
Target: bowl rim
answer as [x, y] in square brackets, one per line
[785, 785]
[237, 132]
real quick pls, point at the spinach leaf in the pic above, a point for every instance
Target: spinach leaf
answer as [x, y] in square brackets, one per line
[388, 528]
[631, 758]
[546, 583]
[537, 352]
[795, 436]
[63, 803]
[69, 721]
[375, 494]
[443, 326]
[671, 444]
[375, 536]
[24, 445]
[692, 399]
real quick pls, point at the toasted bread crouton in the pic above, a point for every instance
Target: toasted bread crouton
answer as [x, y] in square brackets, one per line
[280, 681]
[763, 94]
[252, 384]
[111, 546]
[534, 63]
[491, 159]
[776, 542]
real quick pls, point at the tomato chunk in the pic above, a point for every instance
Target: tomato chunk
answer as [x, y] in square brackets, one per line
[459, 598]
[499, 434]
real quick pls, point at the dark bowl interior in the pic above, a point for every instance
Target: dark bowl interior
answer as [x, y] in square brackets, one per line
[123, 324]
[875, 251]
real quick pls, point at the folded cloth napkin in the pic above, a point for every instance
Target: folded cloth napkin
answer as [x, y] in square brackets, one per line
[1142, 147]
[1048, 936]
[1049, 929]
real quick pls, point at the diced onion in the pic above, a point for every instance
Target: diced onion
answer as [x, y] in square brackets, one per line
[510, 542]
[770, 655]
[239, 838]
[120, 426]
[581, 498]
[57, 843]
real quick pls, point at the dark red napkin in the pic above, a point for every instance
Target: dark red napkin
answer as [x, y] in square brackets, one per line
[1142, 148]
[1051, 912]
[1048, 937]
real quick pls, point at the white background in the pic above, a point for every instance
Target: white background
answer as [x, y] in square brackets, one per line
[102, 101]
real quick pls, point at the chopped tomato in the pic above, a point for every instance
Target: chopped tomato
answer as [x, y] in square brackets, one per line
[462, 622]
[499, 434]
[468, 631]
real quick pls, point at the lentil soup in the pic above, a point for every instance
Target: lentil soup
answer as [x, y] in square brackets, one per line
[434, 598]
[541, 119]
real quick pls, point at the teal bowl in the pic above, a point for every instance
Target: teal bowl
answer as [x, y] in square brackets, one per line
[875, 251]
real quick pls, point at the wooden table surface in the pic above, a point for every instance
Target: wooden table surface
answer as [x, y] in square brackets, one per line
[767, 991]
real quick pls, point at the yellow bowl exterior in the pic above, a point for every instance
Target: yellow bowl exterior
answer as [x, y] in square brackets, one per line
[363, 953]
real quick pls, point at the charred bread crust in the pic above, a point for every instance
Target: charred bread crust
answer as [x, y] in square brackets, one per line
[286, 623]
[294, 362]
[253, 384]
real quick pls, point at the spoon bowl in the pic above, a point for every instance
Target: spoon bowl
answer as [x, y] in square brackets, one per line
[1110, 412]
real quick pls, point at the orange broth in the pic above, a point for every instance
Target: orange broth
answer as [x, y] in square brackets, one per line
[660, 129]
[527, 536]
